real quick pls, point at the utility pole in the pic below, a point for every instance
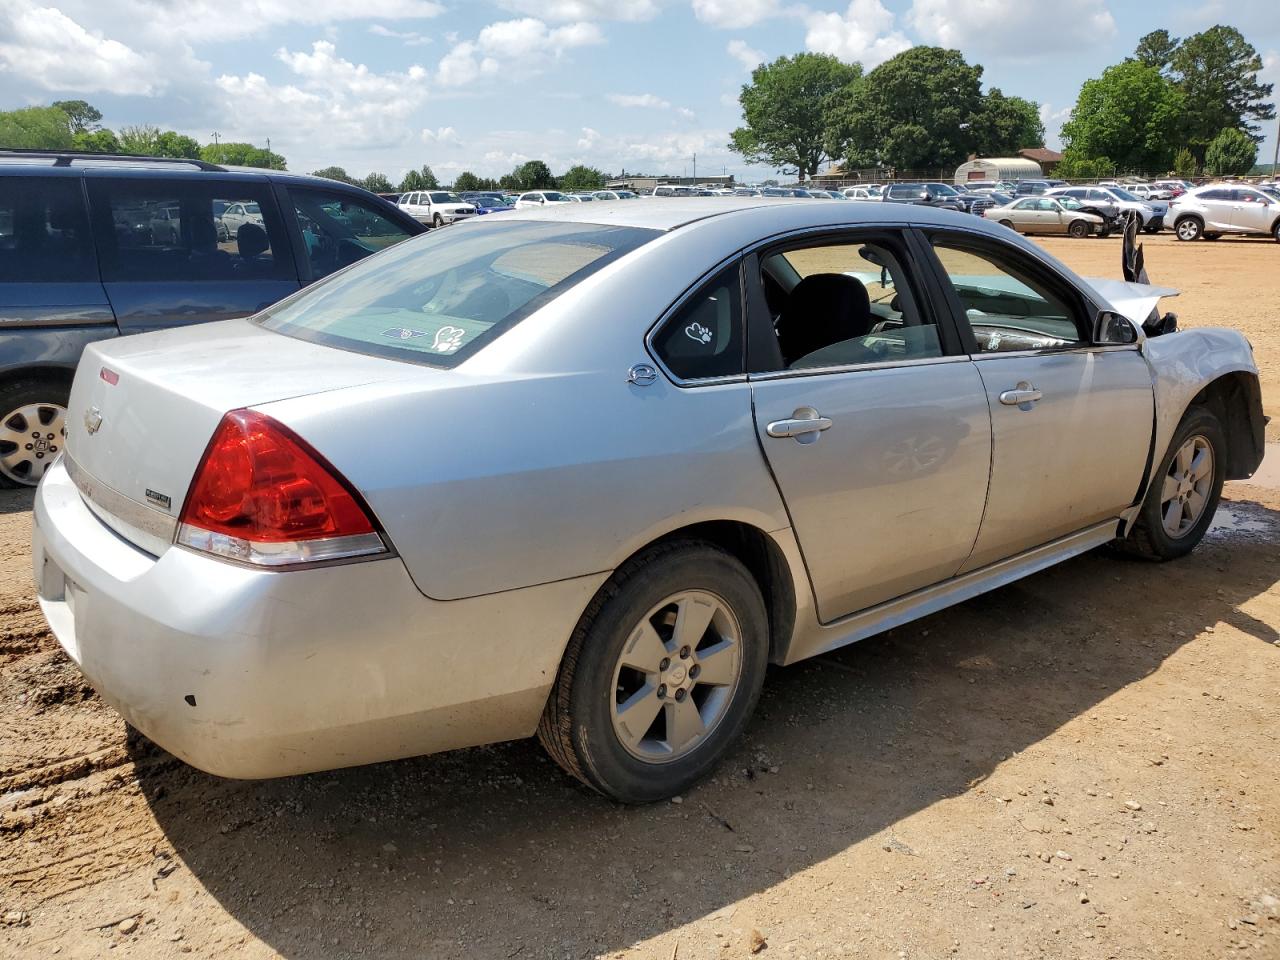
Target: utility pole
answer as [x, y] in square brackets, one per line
[695, 168]
[1275, 158]
[215, 138]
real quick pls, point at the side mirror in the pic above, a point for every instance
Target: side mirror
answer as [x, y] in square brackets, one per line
[1111, 329]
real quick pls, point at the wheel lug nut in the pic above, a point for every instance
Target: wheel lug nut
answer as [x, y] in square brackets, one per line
[662, 690]
[680, 695]
[664, 664]
[695, 670]
[684, 653]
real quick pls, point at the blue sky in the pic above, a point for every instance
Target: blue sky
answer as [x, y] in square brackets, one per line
[643, 84]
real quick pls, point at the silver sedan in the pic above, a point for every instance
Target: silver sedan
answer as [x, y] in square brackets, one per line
[586, 470]
[1047, 215]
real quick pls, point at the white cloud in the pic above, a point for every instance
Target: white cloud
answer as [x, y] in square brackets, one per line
[639, 100]
[1011, 29]
[563, 10]
[729, 14]
[199, 20]
[332, 100]
[441, 135]
[53, 51]
[749, 57]
[410, 38]
[686, 113]
[865, 34]
[513, 46]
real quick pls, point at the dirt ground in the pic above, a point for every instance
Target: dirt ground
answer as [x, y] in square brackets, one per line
[1081, 765]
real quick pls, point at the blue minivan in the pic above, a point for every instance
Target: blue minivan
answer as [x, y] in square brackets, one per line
[95, 246]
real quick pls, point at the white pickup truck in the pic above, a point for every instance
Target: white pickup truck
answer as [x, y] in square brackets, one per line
[435, 208]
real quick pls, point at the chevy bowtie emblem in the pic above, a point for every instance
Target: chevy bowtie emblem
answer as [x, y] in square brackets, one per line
[92, 419]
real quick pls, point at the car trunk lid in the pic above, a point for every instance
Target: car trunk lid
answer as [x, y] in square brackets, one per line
[143, 409]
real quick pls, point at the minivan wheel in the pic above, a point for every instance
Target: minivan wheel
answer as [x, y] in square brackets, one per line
[1185, 491]
[33, 416]
[1078, 229]
[437, 221]
[1188, 228]
[661, 674]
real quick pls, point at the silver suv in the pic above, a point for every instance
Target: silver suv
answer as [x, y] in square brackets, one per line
[1222, 208]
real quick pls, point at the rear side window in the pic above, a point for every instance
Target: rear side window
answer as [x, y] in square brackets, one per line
[188, 230]
[443, 297]
[704, 337]
[44, 231]
[1215, 195]
[339, 229]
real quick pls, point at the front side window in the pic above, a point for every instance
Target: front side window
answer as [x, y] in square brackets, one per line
[552, 195]
[339, 229]
[188, 230]
[442, 298]
[44, 230]
[840, 304]
[1007, 306]
[704, 337]
[445, 198]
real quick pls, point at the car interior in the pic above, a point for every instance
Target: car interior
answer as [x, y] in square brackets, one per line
[844, 304]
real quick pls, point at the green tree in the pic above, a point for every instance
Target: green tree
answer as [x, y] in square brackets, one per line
[172, 144]
[1156, 49]
[140, 139]
[580, 177]
[467, 180]
[1005, 125]
[1217, 73]
[509, 181]
[42, 128]
[914, 110]
[534, 175]
[1130, 114]
[1184, 163]
[335, 173]
[377, 183]
[1075, 166]
[96, 141]
[787, 112]
[238, 154]
[1230, 153]
[84, 117]
[422, 179]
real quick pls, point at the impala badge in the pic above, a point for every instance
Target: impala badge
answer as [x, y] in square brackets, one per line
[92, 420]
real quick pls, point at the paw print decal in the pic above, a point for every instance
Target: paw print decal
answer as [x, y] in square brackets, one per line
[448, 339]
[696, 331]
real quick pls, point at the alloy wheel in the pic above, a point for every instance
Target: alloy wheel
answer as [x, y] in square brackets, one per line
[30, 438]
[676, 676]
[1187, 486]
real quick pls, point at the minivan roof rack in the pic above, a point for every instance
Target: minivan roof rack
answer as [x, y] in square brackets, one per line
[64, 158]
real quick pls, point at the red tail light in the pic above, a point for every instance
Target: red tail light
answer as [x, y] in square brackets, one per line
[263, 496]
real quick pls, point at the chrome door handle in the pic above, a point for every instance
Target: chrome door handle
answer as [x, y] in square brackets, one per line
[804, 424]
[1022, 393]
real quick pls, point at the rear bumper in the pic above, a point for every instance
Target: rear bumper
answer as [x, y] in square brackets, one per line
[250, 673]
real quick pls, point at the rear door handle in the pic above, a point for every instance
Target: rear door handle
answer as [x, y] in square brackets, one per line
[804, 425]
[1022, 393]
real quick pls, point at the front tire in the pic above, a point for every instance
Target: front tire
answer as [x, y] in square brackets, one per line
[1184, 494]
[437, 221]
[33, 416]
[1188, 229]
[661, 674]
[1078, 229]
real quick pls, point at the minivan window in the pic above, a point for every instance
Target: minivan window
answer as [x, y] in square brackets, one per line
[445, 198]
[339, 229]
[443, 297]
[44, 231]
[158, 230]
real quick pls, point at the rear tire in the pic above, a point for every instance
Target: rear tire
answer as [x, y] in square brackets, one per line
[1190, 228]
[1184, 494]
[1078, 229]
[33, 416]
[1009, 224]
[1275, 231]
[651, 609]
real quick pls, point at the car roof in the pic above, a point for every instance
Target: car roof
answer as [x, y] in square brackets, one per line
[757, 215]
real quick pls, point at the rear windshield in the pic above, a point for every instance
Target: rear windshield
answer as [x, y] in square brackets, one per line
[441, 297]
